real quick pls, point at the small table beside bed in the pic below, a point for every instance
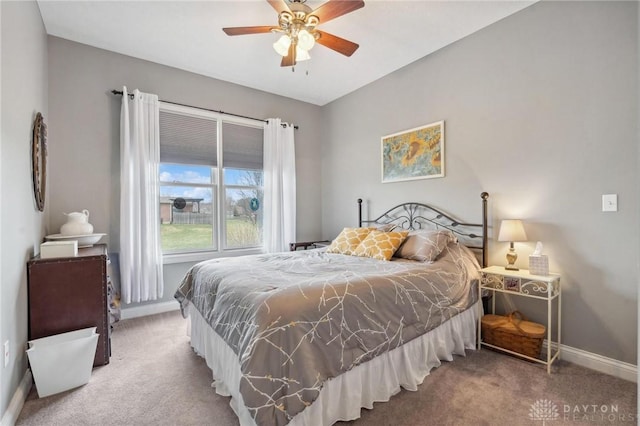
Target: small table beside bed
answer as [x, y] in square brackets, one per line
[310, 337]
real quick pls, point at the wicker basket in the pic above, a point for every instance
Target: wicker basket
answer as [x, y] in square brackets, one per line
[513, 332]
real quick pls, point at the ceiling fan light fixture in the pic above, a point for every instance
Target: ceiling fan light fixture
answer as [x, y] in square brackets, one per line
[282, 45]
[298, 23]
[301, 54]
[306, 40]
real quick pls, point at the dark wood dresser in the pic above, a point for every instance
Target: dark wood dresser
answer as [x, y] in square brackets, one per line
[70, 293]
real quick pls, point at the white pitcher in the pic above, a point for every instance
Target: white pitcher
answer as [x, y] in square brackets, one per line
[77, 224]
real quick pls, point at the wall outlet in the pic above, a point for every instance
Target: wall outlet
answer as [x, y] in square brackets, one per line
[6, 353]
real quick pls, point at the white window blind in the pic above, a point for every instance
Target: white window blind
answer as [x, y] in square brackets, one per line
[242, 147]
[186, 139]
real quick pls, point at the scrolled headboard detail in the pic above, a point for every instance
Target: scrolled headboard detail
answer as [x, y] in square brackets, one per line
[413, 216]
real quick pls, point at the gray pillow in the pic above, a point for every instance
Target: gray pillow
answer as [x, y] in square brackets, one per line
[387, 227]
[425, 245]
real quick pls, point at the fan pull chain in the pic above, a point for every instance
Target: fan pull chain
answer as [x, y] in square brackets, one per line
[293, 69]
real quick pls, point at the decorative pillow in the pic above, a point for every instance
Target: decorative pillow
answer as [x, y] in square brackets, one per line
[380, 245]
[348, 240]
[425, 246]
[387, 227]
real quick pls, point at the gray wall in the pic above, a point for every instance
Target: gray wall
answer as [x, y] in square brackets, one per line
[24, 93]
[638, 188]
[540, 110]
[85, 120]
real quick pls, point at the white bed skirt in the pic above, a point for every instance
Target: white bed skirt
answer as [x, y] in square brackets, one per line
[342, 397]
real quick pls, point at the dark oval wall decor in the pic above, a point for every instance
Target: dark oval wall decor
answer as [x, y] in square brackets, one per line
[39, 160]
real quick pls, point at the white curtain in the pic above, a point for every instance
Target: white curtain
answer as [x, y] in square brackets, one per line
[279, 186]
[140, 252]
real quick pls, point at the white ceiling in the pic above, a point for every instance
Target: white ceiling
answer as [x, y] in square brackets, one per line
[188, 35]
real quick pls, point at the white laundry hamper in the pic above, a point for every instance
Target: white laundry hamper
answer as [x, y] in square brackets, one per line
[62, 361]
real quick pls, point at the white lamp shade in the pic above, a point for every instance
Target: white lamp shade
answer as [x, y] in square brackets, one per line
[512, 230]
[306, 40]
[301, 54]
[282, 45]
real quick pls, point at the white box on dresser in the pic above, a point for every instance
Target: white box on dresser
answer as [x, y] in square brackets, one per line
[52, 249]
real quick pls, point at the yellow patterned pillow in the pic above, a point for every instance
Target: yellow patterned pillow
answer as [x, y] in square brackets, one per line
[348, 240]
[380, 245]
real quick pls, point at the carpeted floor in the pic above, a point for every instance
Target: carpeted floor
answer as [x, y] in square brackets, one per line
[154, 378]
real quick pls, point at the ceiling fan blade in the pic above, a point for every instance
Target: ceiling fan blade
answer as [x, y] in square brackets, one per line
[336, 43]
[234, 31]
[279, 5]
[290, 59]
[336, 8]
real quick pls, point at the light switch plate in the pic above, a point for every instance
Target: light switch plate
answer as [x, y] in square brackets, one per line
[609, 202]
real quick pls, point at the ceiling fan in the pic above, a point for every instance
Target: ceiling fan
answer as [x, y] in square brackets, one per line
[298, 24]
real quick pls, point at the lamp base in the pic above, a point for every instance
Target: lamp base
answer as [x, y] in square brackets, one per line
[512, 256]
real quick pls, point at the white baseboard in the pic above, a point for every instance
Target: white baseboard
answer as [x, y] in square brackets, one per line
[599, 363]
[17, 402]
[150, 309]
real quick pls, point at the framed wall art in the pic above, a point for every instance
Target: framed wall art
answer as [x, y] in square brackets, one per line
[39, 160]
[414, 154]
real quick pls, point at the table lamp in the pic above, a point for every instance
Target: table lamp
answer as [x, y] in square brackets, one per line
[511, 230]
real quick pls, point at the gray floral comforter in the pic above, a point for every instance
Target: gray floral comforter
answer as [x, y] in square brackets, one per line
[297, 319]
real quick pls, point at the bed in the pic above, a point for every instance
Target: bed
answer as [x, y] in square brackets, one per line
[310, 337]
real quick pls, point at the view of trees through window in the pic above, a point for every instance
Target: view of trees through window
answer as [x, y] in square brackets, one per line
[243, 208]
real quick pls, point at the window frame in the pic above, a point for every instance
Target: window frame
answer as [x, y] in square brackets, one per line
[218, 184]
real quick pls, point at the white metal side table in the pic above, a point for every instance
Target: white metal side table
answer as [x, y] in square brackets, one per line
[522, 283]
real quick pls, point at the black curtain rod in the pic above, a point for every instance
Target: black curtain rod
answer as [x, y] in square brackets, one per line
[119, 92]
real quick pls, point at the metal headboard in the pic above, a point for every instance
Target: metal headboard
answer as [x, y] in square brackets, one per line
[412, 216]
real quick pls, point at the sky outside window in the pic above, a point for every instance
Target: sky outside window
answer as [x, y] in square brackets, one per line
[185, 174]
[179, 173]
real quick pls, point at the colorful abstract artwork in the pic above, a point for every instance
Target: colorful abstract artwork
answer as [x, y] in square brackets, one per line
[414, 154]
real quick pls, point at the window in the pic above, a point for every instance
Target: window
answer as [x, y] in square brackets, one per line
[211, 181]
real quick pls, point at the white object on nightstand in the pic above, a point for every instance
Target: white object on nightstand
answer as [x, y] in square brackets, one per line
[538, 262]
[523, 283]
